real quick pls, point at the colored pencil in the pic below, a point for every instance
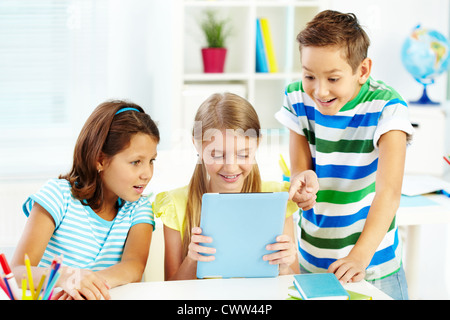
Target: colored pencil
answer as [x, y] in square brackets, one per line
[50, 276]
[8, 289]
[9, 277]
[29, 274]
[447, 159]
[24, 287]
[40, 286]
[284, 167]
[3, 286]
[49, 288]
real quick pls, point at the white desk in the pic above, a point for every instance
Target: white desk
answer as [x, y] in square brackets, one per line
[225, 289]
[412, 218]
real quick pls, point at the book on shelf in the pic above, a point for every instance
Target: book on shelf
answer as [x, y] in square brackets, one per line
[320, 286]
[261, 60]
[265, 51]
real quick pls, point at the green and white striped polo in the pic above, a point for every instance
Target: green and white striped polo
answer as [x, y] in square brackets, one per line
[345, 158]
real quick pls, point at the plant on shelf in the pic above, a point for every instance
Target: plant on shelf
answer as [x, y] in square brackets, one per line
[216, 31]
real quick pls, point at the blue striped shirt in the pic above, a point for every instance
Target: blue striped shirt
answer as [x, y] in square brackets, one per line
[83, 238]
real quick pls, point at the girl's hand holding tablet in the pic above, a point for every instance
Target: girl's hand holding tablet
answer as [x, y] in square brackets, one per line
[196, 250]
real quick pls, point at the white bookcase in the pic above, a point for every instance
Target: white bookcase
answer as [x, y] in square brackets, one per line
[264, 90]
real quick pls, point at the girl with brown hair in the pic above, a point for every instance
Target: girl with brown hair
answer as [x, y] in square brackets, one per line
[95, 216]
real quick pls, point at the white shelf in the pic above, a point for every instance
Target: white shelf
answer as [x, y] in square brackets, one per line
[247, 3]
[210, 3]
[264, 90]
[202, 77]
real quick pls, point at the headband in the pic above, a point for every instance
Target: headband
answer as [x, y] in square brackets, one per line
[126, 109]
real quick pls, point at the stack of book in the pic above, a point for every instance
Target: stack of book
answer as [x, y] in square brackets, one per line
[321, 286]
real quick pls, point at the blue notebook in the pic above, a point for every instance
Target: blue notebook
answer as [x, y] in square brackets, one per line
[320, 286]
[241, 225]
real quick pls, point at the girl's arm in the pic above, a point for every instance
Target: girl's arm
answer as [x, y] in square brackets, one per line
[389, 178]
[82, 284]
[134, 257]
[38, 230]
[177, 267]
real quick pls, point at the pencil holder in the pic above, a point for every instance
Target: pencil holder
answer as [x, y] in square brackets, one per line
[43, 291]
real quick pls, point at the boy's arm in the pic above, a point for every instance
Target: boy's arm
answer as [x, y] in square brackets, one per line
[304, 183]
[299, 153]
[391, 162]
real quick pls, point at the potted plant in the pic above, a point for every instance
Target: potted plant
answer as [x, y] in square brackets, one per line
[216, 31]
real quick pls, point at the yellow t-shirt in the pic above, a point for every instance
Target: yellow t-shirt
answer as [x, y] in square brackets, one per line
[170, 206]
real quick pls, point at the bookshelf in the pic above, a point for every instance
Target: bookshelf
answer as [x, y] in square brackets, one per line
[264, 90]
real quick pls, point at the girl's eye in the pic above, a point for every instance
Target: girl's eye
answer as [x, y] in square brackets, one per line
[243, 155]
[309, 77]
[135, 163]
[333, 79]
[216, 155]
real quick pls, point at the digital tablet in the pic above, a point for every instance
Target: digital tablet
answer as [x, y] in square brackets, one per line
[241, 225]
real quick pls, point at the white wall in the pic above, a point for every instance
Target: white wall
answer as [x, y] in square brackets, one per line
[388, 23]
[141, 57]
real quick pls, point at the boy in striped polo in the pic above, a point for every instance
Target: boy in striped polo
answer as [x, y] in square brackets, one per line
[352, 131]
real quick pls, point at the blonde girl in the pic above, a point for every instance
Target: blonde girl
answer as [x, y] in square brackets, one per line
[226, 136]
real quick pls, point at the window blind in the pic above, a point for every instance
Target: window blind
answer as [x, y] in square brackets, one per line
[52, 59]
[34, 54]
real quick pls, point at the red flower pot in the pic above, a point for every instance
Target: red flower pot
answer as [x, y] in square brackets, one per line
[213, 59]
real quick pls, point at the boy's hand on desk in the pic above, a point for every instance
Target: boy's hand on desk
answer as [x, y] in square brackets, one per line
[348, 269]
[303, 189]
[195, 249]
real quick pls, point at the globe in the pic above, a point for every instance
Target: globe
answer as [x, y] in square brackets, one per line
[425, 54]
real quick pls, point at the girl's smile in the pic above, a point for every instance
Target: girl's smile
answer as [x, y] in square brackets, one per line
[230, 178]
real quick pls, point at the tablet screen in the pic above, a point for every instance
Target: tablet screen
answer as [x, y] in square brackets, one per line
[241, 225]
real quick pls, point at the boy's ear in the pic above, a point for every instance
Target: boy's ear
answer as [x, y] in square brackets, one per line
[365, 69]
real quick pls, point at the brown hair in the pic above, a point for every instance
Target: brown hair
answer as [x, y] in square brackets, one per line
[219, 111]
[332, 28]
[105, 133]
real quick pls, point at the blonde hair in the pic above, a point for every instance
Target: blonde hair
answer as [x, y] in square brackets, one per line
[219, 111]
